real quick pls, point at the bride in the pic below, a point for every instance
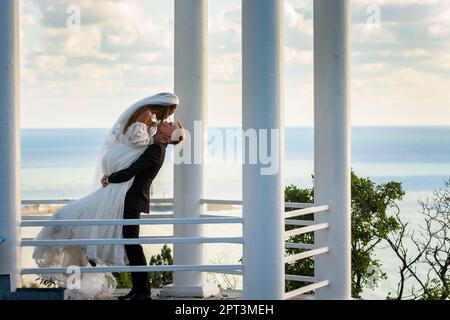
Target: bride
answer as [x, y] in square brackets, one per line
[133, 132]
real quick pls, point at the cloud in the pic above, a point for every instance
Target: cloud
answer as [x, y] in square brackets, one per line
[111, 33]
[123, 50]
[224, 30]
[118, 55]
[55, 13]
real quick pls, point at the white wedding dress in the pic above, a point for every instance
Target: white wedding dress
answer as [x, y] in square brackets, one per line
[104, 203]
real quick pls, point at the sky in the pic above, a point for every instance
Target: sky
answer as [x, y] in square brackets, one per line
[123, 51]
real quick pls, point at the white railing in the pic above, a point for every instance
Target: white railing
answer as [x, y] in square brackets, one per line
[302, 209]
[206, 268]
[289, 205]
[66, 201]
[311, 250]
[306, 211]
[141, 240]
[306, 289]
[130, 222]
[148, 219]
[308, 229]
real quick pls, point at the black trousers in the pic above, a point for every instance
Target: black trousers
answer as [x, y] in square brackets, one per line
[135, 253]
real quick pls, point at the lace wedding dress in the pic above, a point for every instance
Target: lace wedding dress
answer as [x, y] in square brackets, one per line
[104, 203]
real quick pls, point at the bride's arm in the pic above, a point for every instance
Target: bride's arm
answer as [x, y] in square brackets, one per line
[138, 132]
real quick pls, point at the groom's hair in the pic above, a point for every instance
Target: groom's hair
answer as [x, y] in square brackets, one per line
[178, 135]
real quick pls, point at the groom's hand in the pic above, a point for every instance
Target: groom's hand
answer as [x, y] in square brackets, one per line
[105, 181]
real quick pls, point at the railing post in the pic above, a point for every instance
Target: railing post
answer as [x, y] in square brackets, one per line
[9, 144]
[332, 145]
[263, 204]
[191, 18]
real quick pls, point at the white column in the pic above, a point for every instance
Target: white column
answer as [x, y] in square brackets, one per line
[262, 63]
[332, 144]
[9, 141]
[191, 41]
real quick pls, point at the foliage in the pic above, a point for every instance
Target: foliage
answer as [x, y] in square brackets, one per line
[303, 267]
[371, 224]
[49, 283]
[157, 279]
[123, 280]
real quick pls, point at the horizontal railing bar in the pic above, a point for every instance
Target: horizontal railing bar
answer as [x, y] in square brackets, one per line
[291, 222]
[47, 201]
[103, 269]
[220, 216]
[36, 217]
[303, 212]
[308, 288]
[291, 205]
[294, 205]
[298, 205]
[157, 215]
[129, 222]
[142, 240]
[306, 254]
[298, 231]
[66, 201]
[304, 246]
[215, 201]
[236, 273]
[143, 216]
[292, 277]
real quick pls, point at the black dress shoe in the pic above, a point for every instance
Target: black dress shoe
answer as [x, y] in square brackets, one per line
[128, 296]
[92, 262]
[141, 297]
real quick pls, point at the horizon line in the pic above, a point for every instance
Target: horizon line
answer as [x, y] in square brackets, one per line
[286, 127]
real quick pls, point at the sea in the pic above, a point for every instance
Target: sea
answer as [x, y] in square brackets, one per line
[60, 164]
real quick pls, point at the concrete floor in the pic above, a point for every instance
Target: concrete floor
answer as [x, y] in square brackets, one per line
[224, 295]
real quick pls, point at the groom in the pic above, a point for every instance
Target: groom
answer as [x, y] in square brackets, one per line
[144, 171]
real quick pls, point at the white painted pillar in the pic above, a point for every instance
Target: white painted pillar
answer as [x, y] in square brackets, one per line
[263, 196]
[9, 142]
[332, 144]
[191, 41]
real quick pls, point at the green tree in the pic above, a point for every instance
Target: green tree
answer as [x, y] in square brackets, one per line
[157, 279]
[123, 280]
[302, 267]
[371, 224]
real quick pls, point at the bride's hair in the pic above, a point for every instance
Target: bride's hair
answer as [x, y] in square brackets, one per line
[161, 113]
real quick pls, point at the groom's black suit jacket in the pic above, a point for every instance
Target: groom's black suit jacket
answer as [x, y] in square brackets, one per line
[144, 170]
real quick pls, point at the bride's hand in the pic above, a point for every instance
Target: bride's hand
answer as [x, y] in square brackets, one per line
[104, 181]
